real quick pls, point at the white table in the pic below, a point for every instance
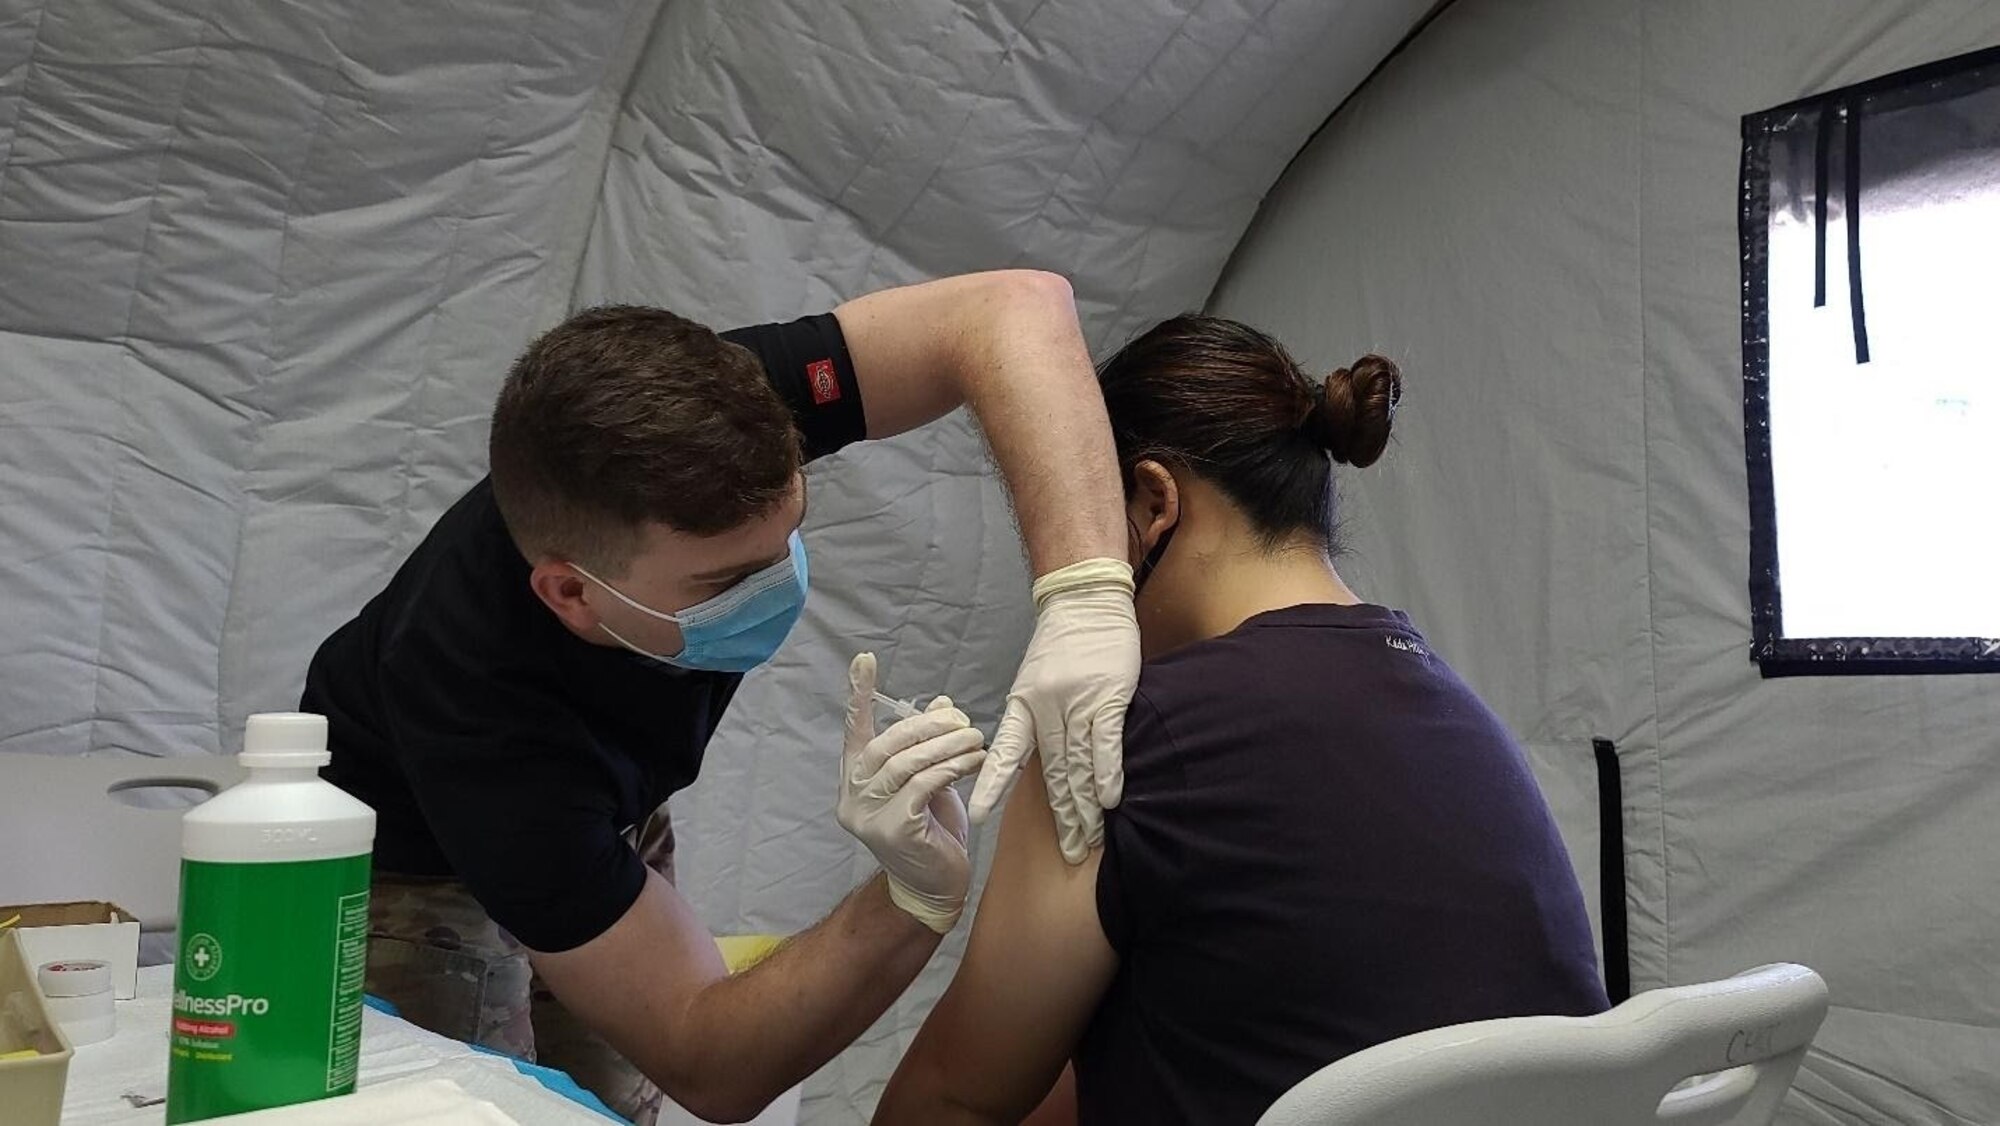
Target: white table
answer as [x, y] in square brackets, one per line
[89, 844]
[135, 1061]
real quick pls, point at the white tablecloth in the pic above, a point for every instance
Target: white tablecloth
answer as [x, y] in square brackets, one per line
[135, 1062]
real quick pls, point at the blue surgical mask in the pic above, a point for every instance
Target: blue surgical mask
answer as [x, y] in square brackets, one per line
[736, 630]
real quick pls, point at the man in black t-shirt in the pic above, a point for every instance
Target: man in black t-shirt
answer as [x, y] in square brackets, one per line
[549, 664]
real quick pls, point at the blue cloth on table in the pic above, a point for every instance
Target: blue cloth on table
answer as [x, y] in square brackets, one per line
[548, 1077]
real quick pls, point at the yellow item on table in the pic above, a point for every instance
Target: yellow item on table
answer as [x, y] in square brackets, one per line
[10, 922]
[741, 951]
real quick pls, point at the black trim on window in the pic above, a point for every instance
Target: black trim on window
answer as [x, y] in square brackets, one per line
[1776, 654]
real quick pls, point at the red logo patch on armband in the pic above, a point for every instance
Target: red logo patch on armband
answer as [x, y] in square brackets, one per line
[825, 384]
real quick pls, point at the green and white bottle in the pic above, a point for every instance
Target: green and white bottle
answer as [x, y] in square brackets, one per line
[273, 932]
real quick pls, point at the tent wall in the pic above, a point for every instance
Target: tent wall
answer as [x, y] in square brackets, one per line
[1533, 208]
[259, 268]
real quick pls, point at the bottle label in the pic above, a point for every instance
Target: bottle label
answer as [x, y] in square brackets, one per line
[267, 985]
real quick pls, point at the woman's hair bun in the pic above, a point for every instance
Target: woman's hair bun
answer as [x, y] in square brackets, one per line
[1356, 406]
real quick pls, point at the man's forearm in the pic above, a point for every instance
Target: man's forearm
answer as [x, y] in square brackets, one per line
[1028, 380]
[759, 1032]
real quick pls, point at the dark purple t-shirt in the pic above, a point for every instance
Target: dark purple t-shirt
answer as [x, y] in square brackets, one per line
[1327, 841]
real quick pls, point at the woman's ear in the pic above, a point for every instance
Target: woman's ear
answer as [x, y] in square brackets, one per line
[1155, 504]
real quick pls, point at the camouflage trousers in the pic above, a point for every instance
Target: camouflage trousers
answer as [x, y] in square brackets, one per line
[435, 954]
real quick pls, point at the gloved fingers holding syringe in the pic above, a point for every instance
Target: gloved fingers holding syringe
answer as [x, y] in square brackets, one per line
[896, 795]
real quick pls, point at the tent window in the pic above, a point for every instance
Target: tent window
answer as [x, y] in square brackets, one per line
[1871, 374]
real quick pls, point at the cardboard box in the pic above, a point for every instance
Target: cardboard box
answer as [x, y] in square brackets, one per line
[31, 1087]
[59, 932]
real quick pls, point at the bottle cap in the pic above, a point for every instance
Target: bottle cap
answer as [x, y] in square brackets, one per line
[285, 739]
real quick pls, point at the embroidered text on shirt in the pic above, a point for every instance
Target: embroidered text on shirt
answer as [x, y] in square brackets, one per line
[1407, 646]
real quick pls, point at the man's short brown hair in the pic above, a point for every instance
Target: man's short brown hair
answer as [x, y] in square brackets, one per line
[624, 415]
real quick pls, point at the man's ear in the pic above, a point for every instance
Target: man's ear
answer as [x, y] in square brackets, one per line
[564, 592]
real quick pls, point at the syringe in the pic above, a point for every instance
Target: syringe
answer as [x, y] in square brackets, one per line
[904, 709]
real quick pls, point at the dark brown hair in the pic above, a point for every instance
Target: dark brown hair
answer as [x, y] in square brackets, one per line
[624, 415]
[1227, 402]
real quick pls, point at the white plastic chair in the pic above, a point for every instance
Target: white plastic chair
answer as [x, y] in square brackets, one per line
[1718, 1054]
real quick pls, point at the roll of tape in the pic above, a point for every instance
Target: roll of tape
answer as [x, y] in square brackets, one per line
[78, 978]
[79, 999]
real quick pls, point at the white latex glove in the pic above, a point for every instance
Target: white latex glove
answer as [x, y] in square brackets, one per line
[896, 798]
[1069, 700]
